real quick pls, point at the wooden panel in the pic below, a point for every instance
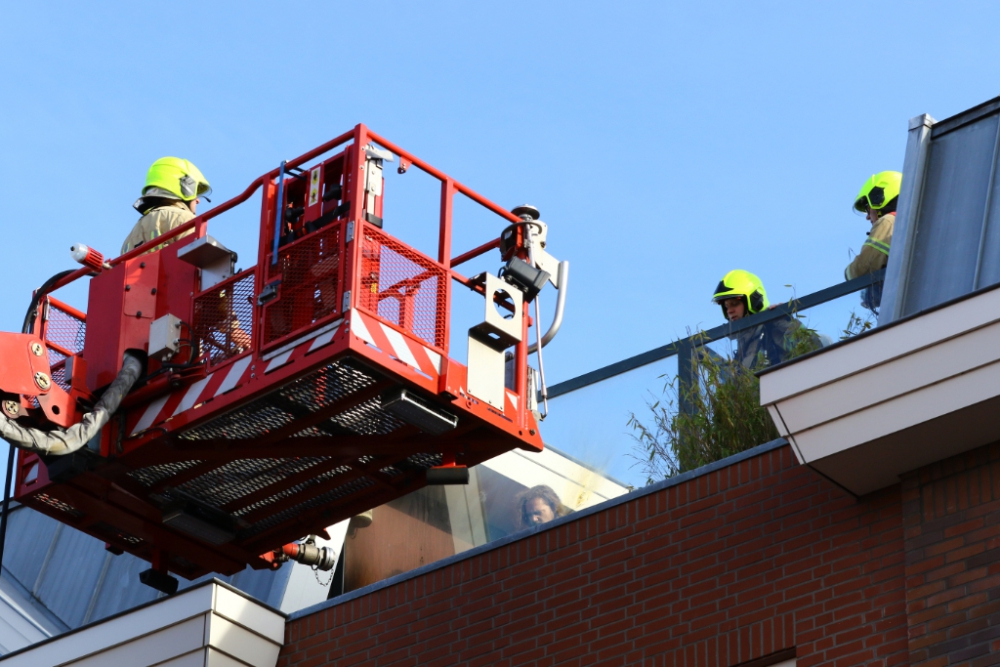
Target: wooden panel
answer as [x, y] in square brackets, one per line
[409, 532]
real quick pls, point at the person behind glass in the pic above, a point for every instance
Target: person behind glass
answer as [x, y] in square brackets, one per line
[741, 294]
[539, 505]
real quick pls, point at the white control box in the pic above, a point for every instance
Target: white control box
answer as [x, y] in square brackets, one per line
[164, 337]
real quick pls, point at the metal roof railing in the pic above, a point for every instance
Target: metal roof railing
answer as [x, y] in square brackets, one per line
[717, 333]
[590, 413]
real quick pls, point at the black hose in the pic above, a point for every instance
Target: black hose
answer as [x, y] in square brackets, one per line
[29, 317]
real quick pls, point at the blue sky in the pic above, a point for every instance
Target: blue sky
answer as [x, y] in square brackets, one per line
[664, 143]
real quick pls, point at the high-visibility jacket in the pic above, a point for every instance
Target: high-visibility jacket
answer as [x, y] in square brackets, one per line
[156, 223]
[874, 253]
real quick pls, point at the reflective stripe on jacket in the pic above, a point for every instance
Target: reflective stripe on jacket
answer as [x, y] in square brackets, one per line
[156, 223]
[874, 253]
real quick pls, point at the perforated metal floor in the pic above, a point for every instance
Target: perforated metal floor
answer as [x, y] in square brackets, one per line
[259, 491]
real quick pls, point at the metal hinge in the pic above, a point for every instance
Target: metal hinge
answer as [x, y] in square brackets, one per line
[347, 302]
[350, 231]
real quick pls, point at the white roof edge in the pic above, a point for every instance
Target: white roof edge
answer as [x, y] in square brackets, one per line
[880, 347]
[133, 624]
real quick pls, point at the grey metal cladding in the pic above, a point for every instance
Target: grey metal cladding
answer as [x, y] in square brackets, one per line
[949, 228]
[77, 582]
[989, 273]
[119, 591]
[963, 118]
[27, 543]
[71, 575]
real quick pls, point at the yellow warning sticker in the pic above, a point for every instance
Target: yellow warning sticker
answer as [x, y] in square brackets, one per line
[314, 177]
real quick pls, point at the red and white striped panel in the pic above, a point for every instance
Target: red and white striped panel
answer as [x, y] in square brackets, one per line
[395, 344]
[510, 405]
[232, 376]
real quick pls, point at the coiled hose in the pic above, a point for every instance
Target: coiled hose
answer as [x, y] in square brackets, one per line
[62, 441]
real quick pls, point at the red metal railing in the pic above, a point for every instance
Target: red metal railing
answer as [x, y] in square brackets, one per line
[402, 300]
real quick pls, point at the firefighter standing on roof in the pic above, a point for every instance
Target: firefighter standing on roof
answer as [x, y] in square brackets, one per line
[169, 198]
[741, 294]
[877, 200]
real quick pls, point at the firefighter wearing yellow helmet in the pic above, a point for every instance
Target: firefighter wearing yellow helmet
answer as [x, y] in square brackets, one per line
[741, 294]
[170, 198]
[877, 200]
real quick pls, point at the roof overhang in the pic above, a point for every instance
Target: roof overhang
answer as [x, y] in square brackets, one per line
[210, 624]
[920, 390]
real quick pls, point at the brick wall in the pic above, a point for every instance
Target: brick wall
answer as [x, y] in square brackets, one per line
[750, 559]
[952, 531]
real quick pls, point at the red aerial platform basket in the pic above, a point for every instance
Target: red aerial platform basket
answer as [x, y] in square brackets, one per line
[286, 397]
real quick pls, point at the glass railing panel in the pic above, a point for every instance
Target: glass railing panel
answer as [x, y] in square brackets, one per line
[825, 323]
[592, 424]
[839, 318]
[595, 423]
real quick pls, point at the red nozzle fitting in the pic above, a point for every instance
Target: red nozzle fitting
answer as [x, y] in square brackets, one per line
[307, 553]
[88, 257]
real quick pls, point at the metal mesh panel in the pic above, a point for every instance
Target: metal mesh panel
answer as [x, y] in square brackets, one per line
[114, 533]
[292, 490]
[57, 504]
[65, 329]
[153, 474]
[223, 318]
[250, 421]
[55, 356]
[326, 386]
[339, 492]
[316, 391]
[311, 432]
[424, 460]
[309, 270]
[368, 418]
[59, 373]
[402, 286]
[235, 479]
[415, 462]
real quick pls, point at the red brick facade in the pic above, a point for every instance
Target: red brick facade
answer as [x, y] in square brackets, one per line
[952, 531]
[743, 564]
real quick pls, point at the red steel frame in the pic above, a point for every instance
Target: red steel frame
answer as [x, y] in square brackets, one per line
[153, 426]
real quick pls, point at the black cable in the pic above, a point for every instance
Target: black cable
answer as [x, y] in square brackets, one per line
[6, 503]
[27, 327]
[29, 317]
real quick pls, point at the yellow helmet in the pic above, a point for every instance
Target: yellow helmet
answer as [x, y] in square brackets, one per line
[742, 283]
[878, 191]
[173, 178]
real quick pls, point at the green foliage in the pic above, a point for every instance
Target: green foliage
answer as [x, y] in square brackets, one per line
[801, 340]
[722, 414]
[723, 417]
[857, 324]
